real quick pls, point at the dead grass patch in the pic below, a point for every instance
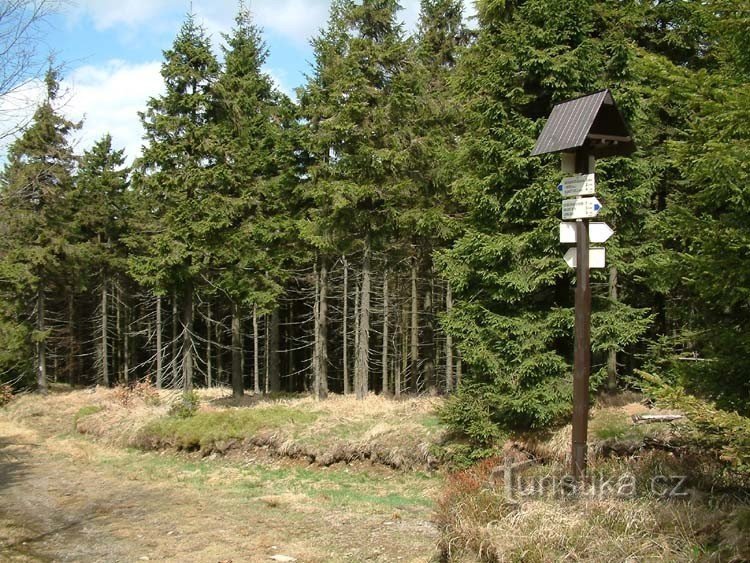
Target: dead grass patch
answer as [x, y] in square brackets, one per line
[478, 517]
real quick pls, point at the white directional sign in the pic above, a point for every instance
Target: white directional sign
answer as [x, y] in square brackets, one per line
[596, 257]
[598, 232]
[581, 208]
[580, 184]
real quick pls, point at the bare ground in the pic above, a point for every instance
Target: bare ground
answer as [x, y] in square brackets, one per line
[66, 498]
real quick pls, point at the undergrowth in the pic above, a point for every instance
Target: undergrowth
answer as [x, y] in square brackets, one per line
[6, 394]
[656, 516]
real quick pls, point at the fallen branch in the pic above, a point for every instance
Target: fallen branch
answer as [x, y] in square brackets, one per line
[652, 418]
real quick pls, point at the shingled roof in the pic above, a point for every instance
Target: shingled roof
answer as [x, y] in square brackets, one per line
[592, 122]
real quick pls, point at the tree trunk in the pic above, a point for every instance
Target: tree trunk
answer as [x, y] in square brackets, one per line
[612, 354]
[290, 334]
[208, 345]
[356, 333]
[175, 324]
[238, 388]
[41, 346]
[345, 327]
[265, 354]
[320, 382]
[429, 342]
[459, 365]
[315, 360]
[159, 358]
[104, 343]
[414, 329]
[448, 344]
[187, 339]
[118, 333]
[256, 358]
[362, 369]
[219, 354]
[384, 358]
[404, 373]
[274, 366]
[125, 338]
[72, 369]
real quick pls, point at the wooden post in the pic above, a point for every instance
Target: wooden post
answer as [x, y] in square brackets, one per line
[582, 357]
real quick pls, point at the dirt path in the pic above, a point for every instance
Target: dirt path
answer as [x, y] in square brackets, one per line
[68, 499]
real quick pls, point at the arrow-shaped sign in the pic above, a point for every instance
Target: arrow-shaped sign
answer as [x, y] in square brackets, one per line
[596, 257]
[581, 208]
[598, 232]
[580, 184]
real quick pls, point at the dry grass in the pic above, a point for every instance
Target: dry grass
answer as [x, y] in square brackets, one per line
[611, 431]
[478, 518]
[399, 434]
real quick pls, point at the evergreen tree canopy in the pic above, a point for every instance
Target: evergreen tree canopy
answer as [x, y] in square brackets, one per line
[255, 172]
[35, 235]
[358, 104]
[176, 180]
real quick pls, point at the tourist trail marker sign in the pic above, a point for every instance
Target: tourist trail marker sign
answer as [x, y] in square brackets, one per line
[581, 208]
[583, 129]
[580, 184]
[596, 257]
[598, 233]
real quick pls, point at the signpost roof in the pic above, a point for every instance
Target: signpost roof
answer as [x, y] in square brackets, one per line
[592, 121]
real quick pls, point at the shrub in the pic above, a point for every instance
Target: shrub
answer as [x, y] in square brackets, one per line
[6, 394]
[142, 391]
[187, 406]
[710, 429]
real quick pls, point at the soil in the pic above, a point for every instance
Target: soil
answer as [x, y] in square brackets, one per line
[61, 500]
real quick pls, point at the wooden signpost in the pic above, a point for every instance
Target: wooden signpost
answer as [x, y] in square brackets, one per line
[582, 130]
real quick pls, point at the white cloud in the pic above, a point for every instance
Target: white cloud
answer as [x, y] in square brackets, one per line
[108, 99]
[296, 20]
[107, 14]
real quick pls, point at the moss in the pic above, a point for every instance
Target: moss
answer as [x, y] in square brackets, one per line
[206, 429]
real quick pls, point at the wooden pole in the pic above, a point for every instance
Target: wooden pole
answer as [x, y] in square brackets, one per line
[582, 357]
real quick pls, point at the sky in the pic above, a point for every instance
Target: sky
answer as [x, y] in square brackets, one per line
[111, 53]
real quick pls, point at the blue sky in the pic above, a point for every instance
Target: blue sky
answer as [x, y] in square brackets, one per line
[111, 51]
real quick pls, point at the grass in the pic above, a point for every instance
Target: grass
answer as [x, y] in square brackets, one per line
[83, 412]
[477, 517]
[377, 430]
[711, 522]
[362, 489]
[207, 430]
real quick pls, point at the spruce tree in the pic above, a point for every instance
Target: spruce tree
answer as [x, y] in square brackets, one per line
[101, 214]
[425, 220]
[513, 317]
[36, 235]
[176, 181]
[356, 103]
[701, 267]
[255, 173]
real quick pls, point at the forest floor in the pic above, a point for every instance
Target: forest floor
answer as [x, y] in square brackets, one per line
[117, 475]
[65, 496]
